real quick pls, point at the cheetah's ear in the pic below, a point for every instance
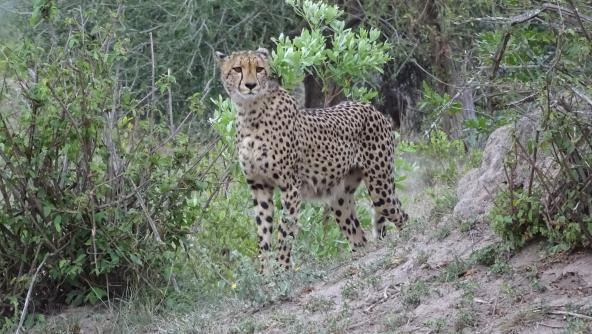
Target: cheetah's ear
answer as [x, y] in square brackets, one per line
[263, 52]
[220, 57]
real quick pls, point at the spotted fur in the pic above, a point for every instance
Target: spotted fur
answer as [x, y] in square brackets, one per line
[307, 154]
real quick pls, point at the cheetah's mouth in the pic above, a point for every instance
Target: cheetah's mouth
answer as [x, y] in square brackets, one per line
[249, 93]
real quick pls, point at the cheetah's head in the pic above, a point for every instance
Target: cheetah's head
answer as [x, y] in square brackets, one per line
[245, 74]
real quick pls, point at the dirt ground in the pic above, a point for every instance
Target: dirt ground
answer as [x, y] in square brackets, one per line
[426, 285]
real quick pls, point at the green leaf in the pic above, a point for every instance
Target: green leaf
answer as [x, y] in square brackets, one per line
[57, 223]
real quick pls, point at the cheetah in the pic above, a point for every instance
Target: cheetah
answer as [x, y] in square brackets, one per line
[309, 154]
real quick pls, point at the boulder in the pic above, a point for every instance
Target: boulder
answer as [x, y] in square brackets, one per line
[477, 189]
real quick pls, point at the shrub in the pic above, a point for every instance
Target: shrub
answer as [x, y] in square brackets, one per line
[554, 206]
[551, 199]
[414, 292]
[343, 60]
[94, 195]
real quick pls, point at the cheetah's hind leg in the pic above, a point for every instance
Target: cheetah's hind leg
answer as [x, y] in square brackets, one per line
[343, 208]
[386, 205]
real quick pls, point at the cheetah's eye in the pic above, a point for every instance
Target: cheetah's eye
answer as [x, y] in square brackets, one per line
[237, 69]
[259, 69]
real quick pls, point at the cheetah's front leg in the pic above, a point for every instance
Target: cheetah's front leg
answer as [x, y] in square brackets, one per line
[288, 225]
[263, 201]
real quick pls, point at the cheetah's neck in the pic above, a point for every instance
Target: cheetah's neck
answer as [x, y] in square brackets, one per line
[266, 109]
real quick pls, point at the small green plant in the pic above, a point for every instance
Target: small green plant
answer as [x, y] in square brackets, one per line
[511, 292]
[395, 322]
[321, 240]
[488, 255]
[422, 257]
[440, 146]
[469, 287]
[412, 227]
[340, 322]
[467, 225]
[501, 267]
[442, 232]
[286, 319]
[518, 218]
[414, 292]
[374, 282]
[494, 257]
[319, 304]
[445, 156]
[522, 221]
[434, 105]
[259, 289]
[444, 203]
[351, 290]
[247, 326]
[533, 276]
[454, 270]
[576, 326]
[437, 325]
[466, 319]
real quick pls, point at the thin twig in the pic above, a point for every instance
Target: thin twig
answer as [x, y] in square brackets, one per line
[529, 15]
[550, 326]
[153, 75]
[499, 54]
[28, 298]
[579, 19]
[528, 98]
[527, 156]
[170, 107]
[365, 322]
[432, 75]
[226, 175]
[583, 96]
[572, 314]
[146, 213]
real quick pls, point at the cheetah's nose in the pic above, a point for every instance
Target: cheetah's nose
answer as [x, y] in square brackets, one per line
[250, 85]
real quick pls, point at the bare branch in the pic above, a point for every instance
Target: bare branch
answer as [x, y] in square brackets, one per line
[579, 19]
[572, 314]
[583, 96]
[170, 106]
[531, 14]
[28, 298]
[153, 77]
[146, 213]
[528, 98]
[499, 54]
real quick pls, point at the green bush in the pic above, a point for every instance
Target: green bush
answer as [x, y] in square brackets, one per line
[342, 59]
[94, 195]
[520, 221]
[554, 207]
[545, 74]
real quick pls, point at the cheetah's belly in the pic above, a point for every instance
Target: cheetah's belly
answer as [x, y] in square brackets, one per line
[254, 157]
[325, 194]
[322, 171]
